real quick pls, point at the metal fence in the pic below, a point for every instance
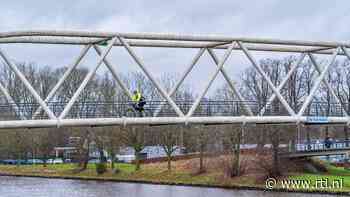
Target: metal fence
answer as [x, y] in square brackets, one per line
[321, 145]
[205, 108]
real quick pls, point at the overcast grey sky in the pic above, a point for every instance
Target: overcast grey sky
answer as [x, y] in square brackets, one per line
[307, 20]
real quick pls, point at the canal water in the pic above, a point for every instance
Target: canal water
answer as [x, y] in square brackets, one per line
[40, 187]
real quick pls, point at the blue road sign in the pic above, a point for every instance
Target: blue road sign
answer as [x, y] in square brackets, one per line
[317, 119]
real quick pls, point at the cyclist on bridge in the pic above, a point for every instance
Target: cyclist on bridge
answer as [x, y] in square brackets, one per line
[138, 101]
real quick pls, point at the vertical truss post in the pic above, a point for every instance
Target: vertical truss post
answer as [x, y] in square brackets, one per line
[63, 78]
[230, 83]
[27, 85]
[86, 80]
[211, 79]
[12, 102]
[329, 87]
[113, 71]
[285, 80]
[268, 80]
[317, 83]
[183, 76]
[148, 74]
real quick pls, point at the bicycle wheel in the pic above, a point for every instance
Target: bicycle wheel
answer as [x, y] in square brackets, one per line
[146, 113]
[130, 112]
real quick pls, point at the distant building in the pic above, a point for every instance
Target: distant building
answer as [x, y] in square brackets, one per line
[69, 151]
[127, 154]
[65, 152]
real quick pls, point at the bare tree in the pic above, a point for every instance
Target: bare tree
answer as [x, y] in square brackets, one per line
[169, 137]
[135, 137]
[45, 144]
[232, 138]
[114, 142]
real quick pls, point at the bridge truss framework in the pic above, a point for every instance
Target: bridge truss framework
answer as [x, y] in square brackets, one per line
[93, 40]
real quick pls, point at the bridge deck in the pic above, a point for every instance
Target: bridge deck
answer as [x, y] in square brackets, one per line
[208, 112]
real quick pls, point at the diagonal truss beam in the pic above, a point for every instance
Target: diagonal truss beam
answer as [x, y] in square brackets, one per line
[329, 87]
[86, 80]
[114, 72]
[150, 76]
[230, 82]
[12, 102]
[268, 80]
[345, 51]
[63, 78]
[281, 85]
[317, 83]
[211, 80]
[26, 83]
[209, 43]
[183, 76]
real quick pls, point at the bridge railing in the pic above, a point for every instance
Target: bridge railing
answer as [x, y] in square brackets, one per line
[96, 109]
[320, 146]
[93, 109]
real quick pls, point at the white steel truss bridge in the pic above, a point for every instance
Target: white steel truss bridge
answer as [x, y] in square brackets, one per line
[47, 113]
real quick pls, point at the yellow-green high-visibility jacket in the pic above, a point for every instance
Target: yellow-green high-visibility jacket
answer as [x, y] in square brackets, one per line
[136, 97]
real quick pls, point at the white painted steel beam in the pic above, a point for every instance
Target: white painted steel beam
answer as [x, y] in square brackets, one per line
[86, 80]
[150, 77]
[317, 84]
[182, 78]
[345, 51]
[12, 102]
[92, 122]
[27, 84]
[63, 78]
[230, 83]
[170, 36]
[203, 42]
[164, 44]
[114, 72]
[211, 80]
[284, 81]
[267, 79]
[325, 82]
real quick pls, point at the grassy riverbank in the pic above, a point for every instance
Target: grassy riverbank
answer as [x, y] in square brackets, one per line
[334, 179]
[148, 173]
[181, 174]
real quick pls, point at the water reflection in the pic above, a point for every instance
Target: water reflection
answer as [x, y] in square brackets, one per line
[38, 187]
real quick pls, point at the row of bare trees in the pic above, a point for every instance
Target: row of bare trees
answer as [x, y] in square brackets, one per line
[199, 139]
[103, 88]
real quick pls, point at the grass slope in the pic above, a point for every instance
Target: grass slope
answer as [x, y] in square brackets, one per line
[327, 181]
[157, 173]
[148, 173]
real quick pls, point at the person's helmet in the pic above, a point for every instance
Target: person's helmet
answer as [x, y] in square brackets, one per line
[135, 91]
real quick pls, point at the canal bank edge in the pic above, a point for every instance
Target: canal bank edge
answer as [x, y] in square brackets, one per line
[104, 179]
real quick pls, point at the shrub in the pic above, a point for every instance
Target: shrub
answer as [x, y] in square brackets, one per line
[226, 163]
[320, 165]
[101, 167]
[115, 170]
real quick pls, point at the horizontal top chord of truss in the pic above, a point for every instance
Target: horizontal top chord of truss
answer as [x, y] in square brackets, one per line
[170, 40]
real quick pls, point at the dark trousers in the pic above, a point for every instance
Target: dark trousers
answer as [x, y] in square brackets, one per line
[139, 106]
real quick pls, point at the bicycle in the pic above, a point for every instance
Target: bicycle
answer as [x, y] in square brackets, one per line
[133, 111]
